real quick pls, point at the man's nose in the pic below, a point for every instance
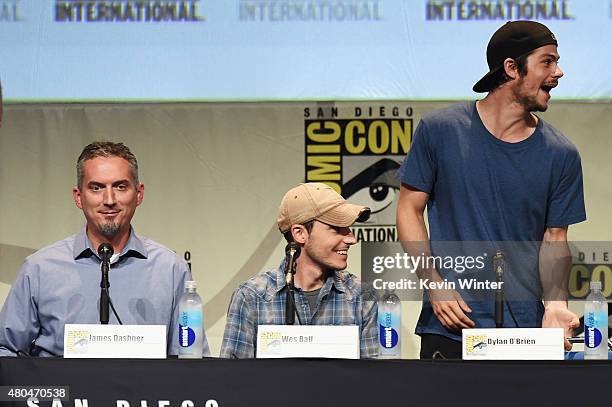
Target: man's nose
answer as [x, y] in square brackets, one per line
[109, 197]
[350, 238]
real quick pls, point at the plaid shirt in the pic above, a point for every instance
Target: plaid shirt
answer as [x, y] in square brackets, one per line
[261, 300]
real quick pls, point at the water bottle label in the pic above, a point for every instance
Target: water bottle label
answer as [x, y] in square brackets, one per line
[387, 334]
[186, 336]
[188, 321]
[592, 332]
[388, 337]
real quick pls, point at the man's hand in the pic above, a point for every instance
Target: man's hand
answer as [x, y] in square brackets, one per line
[448, 306]
[556, 315]
[450, 309]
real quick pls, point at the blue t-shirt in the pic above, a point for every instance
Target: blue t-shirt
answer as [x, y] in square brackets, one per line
[482, 189]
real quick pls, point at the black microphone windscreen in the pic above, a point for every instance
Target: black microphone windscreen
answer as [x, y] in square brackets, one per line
[295, 247]
[105, 251]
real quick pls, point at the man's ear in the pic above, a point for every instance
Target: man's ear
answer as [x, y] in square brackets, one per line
[139, 194]
[510, 68]
[76, 196]
[299, 233]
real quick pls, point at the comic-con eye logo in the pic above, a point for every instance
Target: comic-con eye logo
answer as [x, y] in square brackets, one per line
[358, 157]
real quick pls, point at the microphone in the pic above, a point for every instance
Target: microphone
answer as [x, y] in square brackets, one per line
[105, 251]
[498, 267]
[292, 250]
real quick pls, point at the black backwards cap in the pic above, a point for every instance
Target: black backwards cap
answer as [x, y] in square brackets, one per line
[513, 39]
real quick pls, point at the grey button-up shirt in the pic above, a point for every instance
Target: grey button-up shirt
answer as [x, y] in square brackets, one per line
[60, 284]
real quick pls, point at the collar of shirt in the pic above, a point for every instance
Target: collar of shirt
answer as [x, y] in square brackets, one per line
[83, 247]
[333, 280]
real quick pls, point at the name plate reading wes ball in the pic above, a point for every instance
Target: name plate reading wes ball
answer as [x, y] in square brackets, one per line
[308, 341]
[513, 344]
[115, 341]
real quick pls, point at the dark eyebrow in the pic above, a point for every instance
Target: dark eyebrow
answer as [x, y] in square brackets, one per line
[553, 56]
[114, 184]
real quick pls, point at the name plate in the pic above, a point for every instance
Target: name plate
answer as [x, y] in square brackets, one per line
[115, 341]
[513, 344]
[308, 341]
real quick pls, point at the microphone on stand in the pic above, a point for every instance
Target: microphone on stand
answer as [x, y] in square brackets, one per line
[499, 267]
[292, 250]
[105, 251]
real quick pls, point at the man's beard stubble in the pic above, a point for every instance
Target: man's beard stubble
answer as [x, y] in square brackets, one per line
[529, 102]
[109, 229]
[531, 105]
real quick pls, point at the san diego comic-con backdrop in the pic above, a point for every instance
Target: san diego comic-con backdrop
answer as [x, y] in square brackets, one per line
[214, 174]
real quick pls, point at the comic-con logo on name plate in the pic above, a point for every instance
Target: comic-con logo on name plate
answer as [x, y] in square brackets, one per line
[356, 150]
[476, 344]
[271, 342]
[77, 341]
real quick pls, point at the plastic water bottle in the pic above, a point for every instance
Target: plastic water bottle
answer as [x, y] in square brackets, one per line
[596, 324]
[389, 326]
[190, 323]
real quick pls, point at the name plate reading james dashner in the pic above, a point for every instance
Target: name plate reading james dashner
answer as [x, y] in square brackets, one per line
[513, 344]
[308, 341]
[115, 341]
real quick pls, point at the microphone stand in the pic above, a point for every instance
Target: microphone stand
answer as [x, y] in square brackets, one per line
[105, 251]
[104, 285]
[498, 266]
[290, 301]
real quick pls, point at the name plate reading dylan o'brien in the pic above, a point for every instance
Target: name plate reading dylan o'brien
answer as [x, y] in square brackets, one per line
[513, 344]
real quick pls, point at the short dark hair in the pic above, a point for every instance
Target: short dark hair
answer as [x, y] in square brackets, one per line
[502, 77]
[308, 225]
[106, 149]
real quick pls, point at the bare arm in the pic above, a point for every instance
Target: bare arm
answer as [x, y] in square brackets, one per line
[554, 264]
[447, 305]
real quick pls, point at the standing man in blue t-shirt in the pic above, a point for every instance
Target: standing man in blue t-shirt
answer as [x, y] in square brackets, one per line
[492, 171]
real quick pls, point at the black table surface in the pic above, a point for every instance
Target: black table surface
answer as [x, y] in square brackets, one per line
[313, 382]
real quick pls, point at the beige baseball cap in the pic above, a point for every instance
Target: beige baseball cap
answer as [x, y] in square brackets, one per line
[315, 200]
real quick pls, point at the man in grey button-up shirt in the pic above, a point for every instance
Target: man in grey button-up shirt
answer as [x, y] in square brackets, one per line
[60, 284]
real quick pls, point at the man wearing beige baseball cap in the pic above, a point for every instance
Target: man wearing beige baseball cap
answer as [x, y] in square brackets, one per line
[317, 219]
